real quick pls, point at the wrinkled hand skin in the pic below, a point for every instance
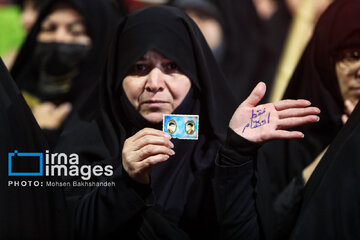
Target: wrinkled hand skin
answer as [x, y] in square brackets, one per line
[143, 150]
[274, 118]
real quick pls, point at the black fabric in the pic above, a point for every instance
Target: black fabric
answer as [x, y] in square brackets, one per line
[232, 146]
[205, 9]
[287, 207]
[315, 77]
[100, 21]
[181, 189]
[26, 212]
[235, 191]
[253, 45]
[315, 80]
[330, 208]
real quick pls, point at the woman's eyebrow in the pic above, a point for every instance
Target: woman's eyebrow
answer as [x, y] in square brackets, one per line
[47, 21]
[76, 22]
[142, 59]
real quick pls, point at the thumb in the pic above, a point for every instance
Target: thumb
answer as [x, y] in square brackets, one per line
[62, 111]
[255, 96]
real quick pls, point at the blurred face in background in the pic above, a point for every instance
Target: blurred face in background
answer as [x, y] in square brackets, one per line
[265, 8]
[209, 26]
[348, 73]
[64, 25]
[63, 44]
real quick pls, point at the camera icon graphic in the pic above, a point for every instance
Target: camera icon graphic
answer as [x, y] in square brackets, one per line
[25, 164]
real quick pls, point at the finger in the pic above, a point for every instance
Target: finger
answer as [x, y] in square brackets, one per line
[296, 121]
[288, 103]
[344, 118]
[349, 107]
[298, 112]
[153, 160]
[62, 111]
[152, 140]
[46, 107]
[149, 131]
[255, 96]
[283, 134]
[151, 150]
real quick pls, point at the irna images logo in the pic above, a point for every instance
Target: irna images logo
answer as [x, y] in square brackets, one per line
[54, 164]
[25, 164]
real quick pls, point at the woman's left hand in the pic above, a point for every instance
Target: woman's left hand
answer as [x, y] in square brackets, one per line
[268, 121]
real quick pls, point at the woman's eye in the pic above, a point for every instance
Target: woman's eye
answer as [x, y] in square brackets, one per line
[172, 66]
[352, 56]
[139, 69]
[77, 33]
[48, 28]
[77, 29]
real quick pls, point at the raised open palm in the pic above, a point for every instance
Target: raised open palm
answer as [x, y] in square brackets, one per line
[269, 121]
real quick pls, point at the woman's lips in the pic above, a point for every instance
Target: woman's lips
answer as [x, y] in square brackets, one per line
[154, 103]
[355, 90]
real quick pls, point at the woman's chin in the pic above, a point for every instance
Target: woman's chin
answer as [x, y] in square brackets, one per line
[154, 117]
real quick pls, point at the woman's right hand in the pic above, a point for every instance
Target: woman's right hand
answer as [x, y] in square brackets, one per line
[143, 150]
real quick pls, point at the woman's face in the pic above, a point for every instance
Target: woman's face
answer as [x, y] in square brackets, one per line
[64, 25]
[155, 86]
[348, 74]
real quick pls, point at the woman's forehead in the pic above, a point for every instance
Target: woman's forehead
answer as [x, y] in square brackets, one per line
[64, 12]
[153, 54]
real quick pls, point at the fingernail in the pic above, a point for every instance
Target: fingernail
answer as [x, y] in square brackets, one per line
[318, 119]
[172, 152]
[167, 135]
[303, 136]
[171, 144]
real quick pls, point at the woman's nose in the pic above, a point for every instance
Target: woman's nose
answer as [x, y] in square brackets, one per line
[155, 81]
[61, 35]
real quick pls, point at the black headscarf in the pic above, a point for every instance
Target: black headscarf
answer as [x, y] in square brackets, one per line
[100, 21]
[330, 204]
[25, 212]
[141, 32]
[330, 208]
[253, 45]
[181, 185]
[314, 79]
[315, 76]
[209, 10]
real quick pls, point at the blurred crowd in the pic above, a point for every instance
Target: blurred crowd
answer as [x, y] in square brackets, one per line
[65, 54]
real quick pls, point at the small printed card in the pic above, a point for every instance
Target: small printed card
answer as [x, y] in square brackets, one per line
[181, 126]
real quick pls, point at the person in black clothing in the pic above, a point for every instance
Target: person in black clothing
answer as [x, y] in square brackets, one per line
[61, 59]
[254, 40]
[330, 206]
[26, 212]
[160, 63]
[328, 76]
[209, 20]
